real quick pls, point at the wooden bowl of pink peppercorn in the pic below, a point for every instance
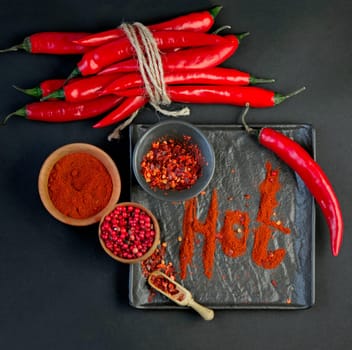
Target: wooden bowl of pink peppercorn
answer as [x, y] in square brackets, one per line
[129, 233]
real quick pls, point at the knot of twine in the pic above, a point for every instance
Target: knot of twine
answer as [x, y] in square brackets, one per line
[151, 67]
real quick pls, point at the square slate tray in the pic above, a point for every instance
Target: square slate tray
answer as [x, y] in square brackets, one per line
[239, 283]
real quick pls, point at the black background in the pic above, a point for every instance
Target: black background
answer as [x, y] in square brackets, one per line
[59, 290]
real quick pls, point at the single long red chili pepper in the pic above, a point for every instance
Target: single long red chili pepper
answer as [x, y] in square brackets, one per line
[194, 58]
[123, 111]
[98, 58]
[297, 158]
[194, 22]
[221, 94]
[214, 76]
[59, 43]
[83, 89]
[45, 88]
[63, 111]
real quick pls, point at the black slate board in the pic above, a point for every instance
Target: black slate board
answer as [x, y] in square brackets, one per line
[240, 283]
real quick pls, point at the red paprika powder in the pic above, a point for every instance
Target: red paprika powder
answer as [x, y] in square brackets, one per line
[261, 255]
[79, 185]
[235, 230]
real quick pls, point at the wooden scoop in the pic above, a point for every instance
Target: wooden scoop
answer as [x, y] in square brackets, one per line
[177, 293]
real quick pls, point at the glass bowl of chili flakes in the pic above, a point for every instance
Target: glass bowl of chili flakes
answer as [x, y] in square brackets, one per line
[173, 161]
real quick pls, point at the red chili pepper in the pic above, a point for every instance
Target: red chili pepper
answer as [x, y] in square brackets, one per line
[102, 56]
[296, 157]
[193, 22]
[214, 76]
[83, 89]
[45, 88]
[222, 94]
[63, 111]
[194, 58]
[60, 43]
[129, 106]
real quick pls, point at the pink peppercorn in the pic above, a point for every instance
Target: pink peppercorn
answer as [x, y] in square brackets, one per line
[128, 232]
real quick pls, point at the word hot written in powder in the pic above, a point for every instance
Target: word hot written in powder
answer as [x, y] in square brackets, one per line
[234, 241]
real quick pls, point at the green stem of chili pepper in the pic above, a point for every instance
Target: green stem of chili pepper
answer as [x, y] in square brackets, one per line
[25, 45]
[34, 92]
[278, 98]
[254, 80]
[59, 94]
[215, 10]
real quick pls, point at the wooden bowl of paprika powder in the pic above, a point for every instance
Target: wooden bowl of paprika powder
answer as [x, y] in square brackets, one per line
[78, 184]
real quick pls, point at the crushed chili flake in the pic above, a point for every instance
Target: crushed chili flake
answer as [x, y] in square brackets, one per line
[172, 164]
[157, 262]
[167, 287]
[274, 283]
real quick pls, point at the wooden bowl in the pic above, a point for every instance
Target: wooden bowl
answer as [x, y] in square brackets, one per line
[48, 165]
[153, 247]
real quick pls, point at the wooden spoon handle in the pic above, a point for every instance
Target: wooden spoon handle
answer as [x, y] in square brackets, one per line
[207, 314]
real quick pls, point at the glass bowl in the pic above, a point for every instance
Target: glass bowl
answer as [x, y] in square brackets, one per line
[177, 130]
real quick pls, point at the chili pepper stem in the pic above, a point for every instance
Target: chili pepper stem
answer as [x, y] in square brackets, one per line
[75, 73]
[25, 45]
[20, 112]
[58, 94]
[278, 98]
[243, 116]
[12, 48]
[220, 29]
[215, 10]
[254, 80]
[242, 35]
[34, 92]
[250, 131]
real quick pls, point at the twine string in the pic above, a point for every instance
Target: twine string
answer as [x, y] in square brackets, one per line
[152, 72]
[151, 67]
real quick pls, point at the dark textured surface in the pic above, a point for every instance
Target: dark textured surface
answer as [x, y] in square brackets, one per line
[59, 290]
[239, 282]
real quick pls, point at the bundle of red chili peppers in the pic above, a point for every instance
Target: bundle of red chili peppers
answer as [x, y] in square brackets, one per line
[110, 79]
[107, 79]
